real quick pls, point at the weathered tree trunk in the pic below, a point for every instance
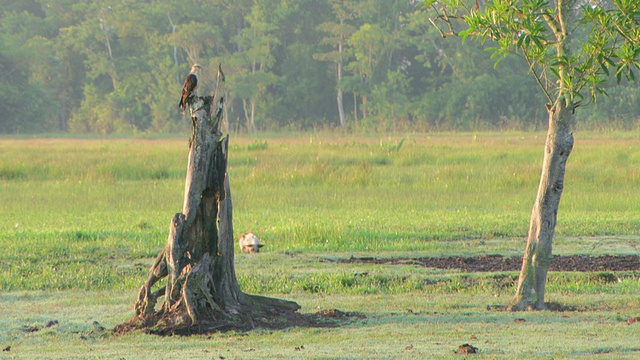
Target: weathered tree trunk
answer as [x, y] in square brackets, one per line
[198, 261]
[538, 256]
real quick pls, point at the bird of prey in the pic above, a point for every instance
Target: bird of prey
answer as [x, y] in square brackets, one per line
[190, 86]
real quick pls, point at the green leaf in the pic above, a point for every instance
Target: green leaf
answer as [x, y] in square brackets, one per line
[619, 74]
[537, 41]
[521, 38]
[465, 33]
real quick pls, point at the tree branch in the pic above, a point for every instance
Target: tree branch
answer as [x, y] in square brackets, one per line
[446, 18]
[532, 68]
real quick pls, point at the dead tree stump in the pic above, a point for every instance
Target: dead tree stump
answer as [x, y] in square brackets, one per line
[201, 293]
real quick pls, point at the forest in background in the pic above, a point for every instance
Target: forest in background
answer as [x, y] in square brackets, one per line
[117, 66]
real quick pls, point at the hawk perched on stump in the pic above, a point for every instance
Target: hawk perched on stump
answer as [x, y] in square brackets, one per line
[190, 85]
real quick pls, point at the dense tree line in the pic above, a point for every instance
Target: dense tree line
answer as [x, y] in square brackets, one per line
[116, 66]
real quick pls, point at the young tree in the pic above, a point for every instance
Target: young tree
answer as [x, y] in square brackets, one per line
[377, 58]
[567, 66]
[253, 65]
[368, 44]
[337, 34]
[299, 73]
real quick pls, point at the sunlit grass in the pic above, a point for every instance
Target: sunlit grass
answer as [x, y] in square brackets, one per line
[73, 208]
[303, 194]
[84, 219]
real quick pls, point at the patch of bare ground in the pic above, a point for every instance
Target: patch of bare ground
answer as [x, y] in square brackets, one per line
[497, 263]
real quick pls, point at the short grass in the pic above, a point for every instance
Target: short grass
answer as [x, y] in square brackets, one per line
[408, 325]
[84, 218]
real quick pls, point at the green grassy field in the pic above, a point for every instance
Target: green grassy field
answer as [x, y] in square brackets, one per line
[83, 220]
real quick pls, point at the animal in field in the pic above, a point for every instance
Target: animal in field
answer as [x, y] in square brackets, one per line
[249, 243]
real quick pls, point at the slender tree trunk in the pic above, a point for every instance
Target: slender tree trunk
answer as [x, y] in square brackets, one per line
[112, 73]
[201, 291]
[355, 107]
[248, 115]
[247, 119]
[253, 115]
[538, 253]
[364, 107]
[175, 47]
[343, 122]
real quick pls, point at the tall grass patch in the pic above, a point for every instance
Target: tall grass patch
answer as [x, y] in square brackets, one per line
[84, 201]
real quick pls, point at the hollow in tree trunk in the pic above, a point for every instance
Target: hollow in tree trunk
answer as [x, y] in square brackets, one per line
[537, 257]
[201, 292]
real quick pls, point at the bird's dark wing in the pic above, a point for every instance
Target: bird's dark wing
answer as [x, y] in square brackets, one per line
[190, 83]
